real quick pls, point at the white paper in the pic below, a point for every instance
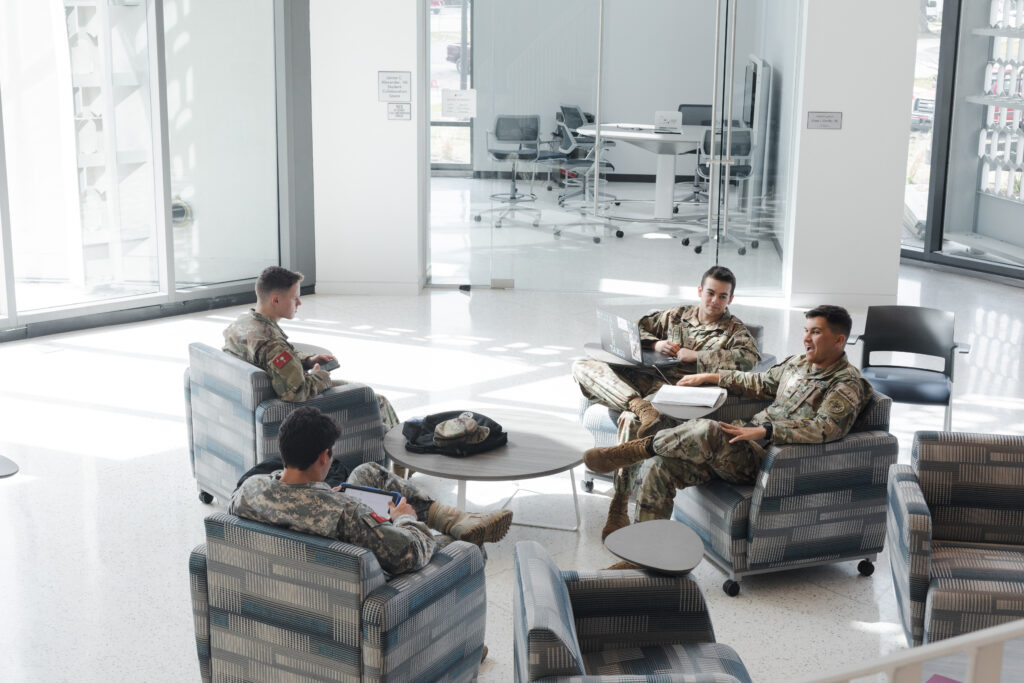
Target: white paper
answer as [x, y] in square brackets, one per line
[458, 104]
[688, 396]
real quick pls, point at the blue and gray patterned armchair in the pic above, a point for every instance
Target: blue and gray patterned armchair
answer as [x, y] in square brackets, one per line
[811, 504]
[956, 534]
[622, 625]
[233, 415]
[274, 604]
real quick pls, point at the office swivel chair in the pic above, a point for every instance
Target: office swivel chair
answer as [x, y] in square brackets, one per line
[695, 115]
[916, 330]
[740, 150]
[515, 138]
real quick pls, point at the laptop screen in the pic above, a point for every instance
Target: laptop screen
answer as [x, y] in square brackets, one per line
[620, 336]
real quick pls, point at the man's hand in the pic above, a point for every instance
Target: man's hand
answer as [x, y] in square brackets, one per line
[403, 508]
[686, 356]
[697, 379]
[313, 361]
[666, 347]
[742, 433]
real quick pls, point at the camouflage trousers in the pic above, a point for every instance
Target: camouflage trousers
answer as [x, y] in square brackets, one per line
[614, 387]
[691, 454]
[387, 412]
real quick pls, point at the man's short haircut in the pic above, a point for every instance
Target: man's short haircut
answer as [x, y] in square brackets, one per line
[720, 273]
[273, 279]
[838, 319]
[304, 435]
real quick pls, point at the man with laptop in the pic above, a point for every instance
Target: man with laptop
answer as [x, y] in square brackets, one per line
[693, 339]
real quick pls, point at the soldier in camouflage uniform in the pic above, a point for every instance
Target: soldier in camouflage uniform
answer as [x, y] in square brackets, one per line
[817, 398]
[298, 498]
[704, 338]
[255, 337]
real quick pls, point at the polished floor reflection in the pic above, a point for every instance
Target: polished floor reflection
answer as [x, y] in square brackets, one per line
[98, 524]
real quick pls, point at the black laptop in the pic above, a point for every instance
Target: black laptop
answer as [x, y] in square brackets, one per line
[621, 337]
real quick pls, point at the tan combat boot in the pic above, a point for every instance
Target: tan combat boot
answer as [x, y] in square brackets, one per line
[647, 414]
[475, 527]
[618, 514]
[612, 458]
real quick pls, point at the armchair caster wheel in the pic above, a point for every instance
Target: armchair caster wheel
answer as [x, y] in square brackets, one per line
[697, 249]
[753, 244]
[731, 588]
[866, 568]
[619, 233]
[686, 241]
[597, 240]
[205, 498]
[675, 209]
[477, 218]
[741, 251]
[617, 203]
[588, 486]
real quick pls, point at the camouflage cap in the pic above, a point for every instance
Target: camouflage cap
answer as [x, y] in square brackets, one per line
[460, 430]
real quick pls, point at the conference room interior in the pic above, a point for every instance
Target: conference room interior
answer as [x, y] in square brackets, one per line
[100, 519]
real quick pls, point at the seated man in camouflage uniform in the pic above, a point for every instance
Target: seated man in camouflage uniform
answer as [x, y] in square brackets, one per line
[298, 498]
[255, 337]
[817, 397]
[704, 338]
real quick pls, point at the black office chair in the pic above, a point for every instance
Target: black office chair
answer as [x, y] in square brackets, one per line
[740, 152]
[695, 115]
[515, 138]
[911, 329]
[582, 172]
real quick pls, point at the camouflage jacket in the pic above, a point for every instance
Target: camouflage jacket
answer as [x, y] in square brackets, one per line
[259, 340]
[810, 406]
[400, 546]
[722, 345]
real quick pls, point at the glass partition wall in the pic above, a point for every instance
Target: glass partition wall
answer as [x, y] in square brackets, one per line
[595, 165]
[139, 152]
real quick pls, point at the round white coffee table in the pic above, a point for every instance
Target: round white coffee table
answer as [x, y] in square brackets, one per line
[661, 545]
[538, 445]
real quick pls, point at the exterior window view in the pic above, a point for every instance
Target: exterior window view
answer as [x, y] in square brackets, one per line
[480, 340]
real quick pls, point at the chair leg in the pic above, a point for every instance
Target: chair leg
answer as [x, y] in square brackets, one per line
[948, 423]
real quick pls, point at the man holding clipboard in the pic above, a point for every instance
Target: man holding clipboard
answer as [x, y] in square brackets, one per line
[399, 535]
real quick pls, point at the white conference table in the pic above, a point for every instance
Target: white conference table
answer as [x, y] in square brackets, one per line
[665, 145]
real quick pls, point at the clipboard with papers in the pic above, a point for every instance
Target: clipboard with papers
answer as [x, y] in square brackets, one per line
[686, 403]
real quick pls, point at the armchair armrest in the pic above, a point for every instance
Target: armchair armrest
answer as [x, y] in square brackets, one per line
[201, 608]
[657, 609]
[821, 501]
[427, 621]
[962, 347]
[853, 339]
[909, 531]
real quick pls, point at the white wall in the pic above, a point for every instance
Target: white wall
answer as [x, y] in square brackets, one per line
[847, 194]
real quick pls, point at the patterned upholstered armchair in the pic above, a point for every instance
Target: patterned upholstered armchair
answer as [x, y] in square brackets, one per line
[233, 416]
[811, 503]
[956, 534]
[274, 604]
[623, 625]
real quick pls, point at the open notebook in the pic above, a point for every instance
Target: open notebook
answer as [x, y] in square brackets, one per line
[705, 397]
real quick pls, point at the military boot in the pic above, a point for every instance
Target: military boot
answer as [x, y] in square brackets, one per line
[474, 527]
[648, 415]
[618, 514]
[612, 458]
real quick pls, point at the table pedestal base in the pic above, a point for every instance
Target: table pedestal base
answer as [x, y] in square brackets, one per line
[461, 504]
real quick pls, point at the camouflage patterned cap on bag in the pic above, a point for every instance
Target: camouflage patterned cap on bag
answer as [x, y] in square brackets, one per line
[461, 430]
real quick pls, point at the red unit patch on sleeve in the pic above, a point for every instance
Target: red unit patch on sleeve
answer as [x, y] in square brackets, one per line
[378, 518]
[281, 359]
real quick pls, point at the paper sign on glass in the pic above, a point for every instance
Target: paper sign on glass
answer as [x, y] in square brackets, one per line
[458, 104]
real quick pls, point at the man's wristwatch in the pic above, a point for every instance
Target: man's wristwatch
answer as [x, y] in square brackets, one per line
[768, 430]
